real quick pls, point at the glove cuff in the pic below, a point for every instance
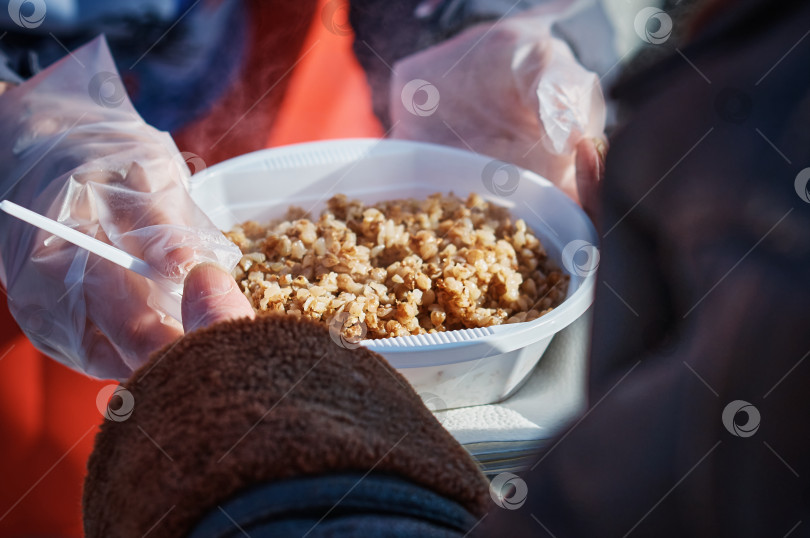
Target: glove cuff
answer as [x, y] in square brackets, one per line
[247, 402]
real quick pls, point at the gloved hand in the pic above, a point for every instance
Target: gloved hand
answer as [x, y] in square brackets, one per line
[73, 148]
[510, 90]
[211, 295]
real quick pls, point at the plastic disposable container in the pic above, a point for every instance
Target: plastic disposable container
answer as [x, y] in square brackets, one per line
[453, 368]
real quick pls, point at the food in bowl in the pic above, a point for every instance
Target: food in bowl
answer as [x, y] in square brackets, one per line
[399, 267]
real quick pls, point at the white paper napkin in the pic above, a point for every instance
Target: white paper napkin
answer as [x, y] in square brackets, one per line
[553, 395]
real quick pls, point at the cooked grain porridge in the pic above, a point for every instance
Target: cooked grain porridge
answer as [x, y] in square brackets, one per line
[399, 267]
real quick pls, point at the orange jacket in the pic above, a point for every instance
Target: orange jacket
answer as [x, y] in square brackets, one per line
[302, 83]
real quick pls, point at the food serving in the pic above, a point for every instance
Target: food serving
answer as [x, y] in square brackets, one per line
[399, 267]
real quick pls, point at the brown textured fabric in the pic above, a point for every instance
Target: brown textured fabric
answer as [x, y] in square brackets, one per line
[246, 402]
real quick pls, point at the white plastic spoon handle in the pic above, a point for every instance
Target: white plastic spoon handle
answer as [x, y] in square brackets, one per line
[99, 248]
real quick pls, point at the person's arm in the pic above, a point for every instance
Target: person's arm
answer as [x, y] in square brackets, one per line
[493, 78]
[698, 372]
[244, 409]
[74, 149]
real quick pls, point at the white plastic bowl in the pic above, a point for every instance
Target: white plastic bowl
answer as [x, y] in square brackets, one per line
[454, 368]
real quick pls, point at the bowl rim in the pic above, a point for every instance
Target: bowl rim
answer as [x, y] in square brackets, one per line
[498, 338]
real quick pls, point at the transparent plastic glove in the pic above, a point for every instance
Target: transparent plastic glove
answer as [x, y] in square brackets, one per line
[211, 295]
[507, 89]
[73, 148]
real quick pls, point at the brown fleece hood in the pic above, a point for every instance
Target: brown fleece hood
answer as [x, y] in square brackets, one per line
[253, 401]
